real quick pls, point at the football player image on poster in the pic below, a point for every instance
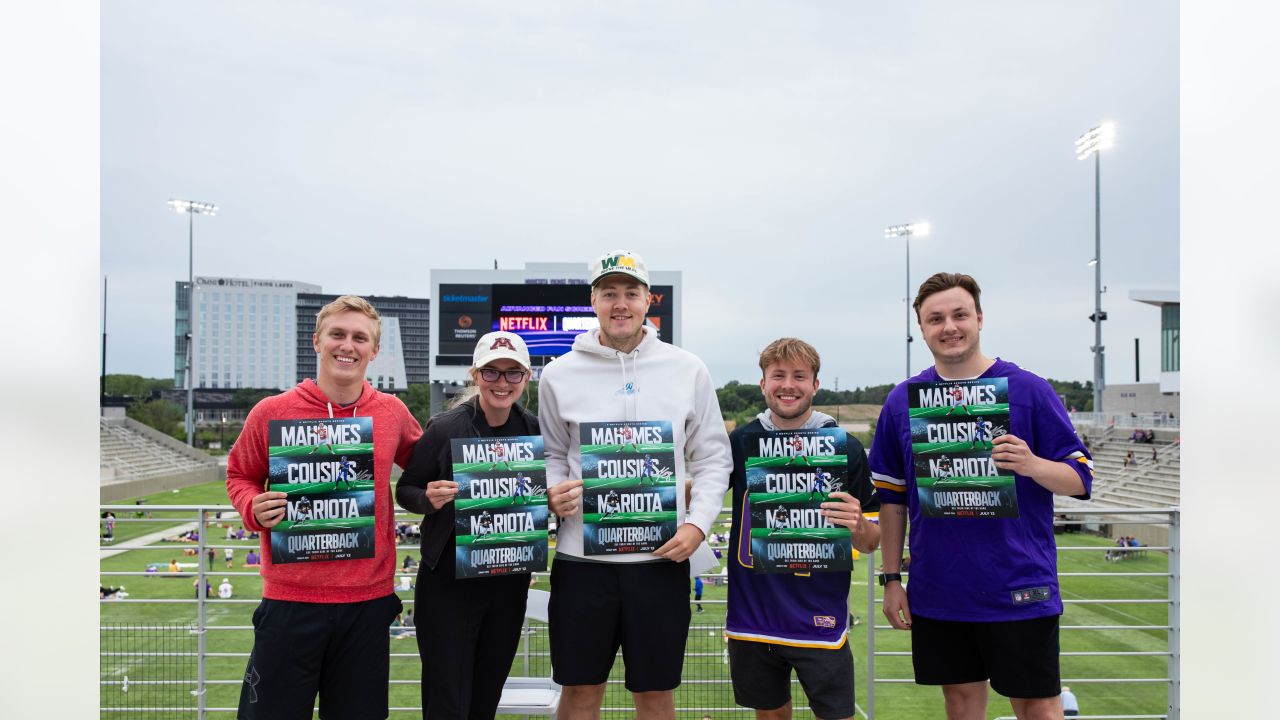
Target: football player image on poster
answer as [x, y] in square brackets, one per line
[500, 519]
[953, 424]
[629, 486]
[790, 473]
[325, 466]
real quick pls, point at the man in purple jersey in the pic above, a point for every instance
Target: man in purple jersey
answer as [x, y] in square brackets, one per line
[982, 604]
[781, 622]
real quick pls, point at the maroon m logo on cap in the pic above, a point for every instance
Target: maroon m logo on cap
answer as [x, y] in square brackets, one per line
[502, 342]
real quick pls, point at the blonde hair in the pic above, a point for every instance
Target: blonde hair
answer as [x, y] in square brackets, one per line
[790, 350]
[352, 303]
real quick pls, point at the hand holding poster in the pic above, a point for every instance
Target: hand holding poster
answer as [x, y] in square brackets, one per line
[629, 486]
[500, 518]
[953, 424]
[790, 473]
[325, 466]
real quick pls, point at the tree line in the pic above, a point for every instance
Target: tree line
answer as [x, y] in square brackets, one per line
[739, 402]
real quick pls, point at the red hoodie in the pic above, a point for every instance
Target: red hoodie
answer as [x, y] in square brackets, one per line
[326, 581]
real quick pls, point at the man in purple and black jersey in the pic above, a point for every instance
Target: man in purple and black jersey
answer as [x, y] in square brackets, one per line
[779, 622]
[982, 603]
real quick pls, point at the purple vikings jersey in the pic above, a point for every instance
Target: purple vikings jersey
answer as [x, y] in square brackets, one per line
[803, 610]
[983, 569]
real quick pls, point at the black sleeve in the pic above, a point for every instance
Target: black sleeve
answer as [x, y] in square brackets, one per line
[424, 467]
[860, 478]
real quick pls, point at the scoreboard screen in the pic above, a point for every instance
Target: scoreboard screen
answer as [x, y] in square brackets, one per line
[547, 317]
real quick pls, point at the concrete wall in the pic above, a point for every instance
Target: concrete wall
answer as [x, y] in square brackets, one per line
[118, 491]
[1139, 398]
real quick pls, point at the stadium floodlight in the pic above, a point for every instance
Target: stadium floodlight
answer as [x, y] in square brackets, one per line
[916, 229]
[1093, 143]
[1097, 139]
[191, 208]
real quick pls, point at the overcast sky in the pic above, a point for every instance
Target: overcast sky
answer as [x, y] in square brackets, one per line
[759, 147]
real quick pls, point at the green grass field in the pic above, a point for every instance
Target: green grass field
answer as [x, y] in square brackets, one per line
[229, 639]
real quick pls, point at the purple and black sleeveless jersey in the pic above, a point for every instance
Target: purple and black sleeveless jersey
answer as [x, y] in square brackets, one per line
[983, 569]
[802, 610]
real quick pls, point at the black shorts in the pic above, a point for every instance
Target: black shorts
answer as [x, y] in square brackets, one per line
[762, 676]
[597, 607]
[339, 650]
[468, 632]
[1019, 657]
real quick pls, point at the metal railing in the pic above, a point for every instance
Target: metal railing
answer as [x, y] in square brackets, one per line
[1125, 420]
[705, 648]
[1142, 516]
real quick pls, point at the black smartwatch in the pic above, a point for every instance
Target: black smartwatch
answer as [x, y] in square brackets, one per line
[886, 578]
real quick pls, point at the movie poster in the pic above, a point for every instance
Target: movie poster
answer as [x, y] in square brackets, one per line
[790, 473]
[326, 468]
[628, 486]
[953, 424]
[500, 511]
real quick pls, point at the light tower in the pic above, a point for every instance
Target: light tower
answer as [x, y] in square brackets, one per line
[191, 208]
[906, 232]
[1093, 143]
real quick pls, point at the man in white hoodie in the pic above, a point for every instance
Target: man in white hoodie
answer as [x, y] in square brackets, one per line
[636, 601]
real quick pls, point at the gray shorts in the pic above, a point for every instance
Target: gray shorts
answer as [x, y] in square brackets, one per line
[762, 676]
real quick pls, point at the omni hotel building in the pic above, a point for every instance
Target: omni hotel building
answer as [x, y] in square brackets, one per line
[256, 333]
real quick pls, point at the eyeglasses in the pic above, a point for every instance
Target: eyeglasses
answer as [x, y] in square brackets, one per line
[512, 376]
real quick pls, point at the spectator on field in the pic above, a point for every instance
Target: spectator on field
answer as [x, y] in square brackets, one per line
[224, 589]
[1070, 705]
[208, 587]
[252, 559]
[109, 526]
[230, 555]
[211, 555]
[173, 565]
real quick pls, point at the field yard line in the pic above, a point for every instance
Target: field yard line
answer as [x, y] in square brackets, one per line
[151, 538]
[1110, 608]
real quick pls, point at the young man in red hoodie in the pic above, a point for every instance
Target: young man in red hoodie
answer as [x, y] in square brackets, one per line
[322, 625]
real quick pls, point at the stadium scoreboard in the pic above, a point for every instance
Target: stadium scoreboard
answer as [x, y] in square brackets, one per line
[546, 312]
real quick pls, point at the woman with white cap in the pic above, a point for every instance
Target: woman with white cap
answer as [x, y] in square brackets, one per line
[468, 630]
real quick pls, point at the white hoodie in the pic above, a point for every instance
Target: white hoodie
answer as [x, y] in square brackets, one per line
[655, 381]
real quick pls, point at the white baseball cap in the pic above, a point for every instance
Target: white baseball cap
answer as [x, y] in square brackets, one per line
[622, 262]
[501, 344]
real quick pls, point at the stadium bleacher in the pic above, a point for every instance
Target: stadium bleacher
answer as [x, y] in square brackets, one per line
[1145, 482]
[135, 459]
